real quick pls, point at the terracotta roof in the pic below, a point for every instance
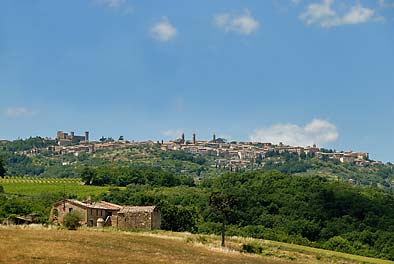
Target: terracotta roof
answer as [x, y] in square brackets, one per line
[108, 205]
[98, 205]
[134, 209]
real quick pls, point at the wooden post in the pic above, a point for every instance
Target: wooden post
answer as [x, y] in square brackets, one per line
[223, 230]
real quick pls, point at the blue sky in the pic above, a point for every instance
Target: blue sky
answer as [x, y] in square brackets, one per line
[295, 71]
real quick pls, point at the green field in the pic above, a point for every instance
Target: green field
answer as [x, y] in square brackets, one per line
[35, 186]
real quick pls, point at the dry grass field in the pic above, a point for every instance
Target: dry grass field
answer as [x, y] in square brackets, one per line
[29, 245]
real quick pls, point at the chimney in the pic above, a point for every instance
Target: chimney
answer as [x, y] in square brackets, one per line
[87, 136]
[89, 199]
[194, 138]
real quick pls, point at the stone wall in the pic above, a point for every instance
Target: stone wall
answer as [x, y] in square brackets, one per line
[156, 219]
[64, 208]
[137, 220]
[94, 214]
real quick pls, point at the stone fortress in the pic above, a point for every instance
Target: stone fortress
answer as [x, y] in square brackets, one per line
[65, 139]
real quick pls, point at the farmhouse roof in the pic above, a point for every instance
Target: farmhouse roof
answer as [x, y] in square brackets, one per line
[135, 209]
[97, 205]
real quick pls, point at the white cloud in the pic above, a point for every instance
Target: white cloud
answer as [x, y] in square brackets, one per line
[243, 24]
[173, 133]
[18, 112]
[163, 31]
[358, 14]
[318, 132]
[324, 15]
[319, 13]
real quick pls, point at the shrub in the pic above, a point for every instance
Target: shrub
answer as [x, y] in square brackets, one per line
[339, 243]
[72, 220]
[252, 248]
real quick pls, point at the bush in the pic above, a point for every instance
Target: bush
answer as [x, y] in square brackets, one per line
[72, 220]
[1, 189]
[339, 243]
[252, 248]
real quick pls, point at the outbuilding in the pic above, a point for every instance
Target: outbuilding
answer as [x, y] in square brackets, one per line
[137, 217]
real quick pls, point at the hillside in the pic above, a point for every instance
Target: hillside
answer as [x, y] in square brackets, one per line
[309, 211]
[89, 246]
[35, 157]
[286, 197]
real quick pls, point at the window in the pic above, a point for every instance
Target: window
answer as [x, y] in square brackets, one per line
[70, 210]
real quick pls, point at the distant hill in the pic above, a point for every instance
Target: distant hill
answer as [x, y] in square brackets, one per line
[40, 157]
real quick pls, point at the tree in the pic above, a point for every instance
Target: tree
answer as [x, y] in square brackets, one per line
[222, 203]
[87, 175]
[121, 138]
[178, 218]
[72, 220]
[2, 169]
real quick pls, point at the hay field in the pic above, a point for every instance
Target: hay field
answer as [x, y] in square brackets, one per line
[41, 245]
[60, 246]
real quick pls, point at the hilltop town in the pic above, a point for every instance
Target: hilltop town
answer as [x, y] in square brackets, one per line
[228, 155]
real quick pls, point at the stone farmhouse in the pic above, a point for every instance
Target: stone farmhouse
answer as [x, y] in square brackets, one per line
[100, 214]
[144, 217]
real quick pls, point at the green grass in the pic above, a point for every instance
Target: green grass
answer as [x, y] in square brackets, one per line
[325, 254]
[35, 186]
[287, 251]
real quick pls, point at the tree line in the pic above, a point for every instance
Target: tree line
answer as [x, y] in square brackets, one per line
[311, 211]
[133, 174]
